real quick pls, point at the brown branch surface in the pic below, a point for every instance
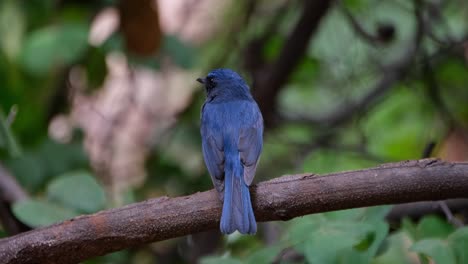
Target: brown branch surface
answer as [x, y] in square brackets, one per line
[279, 199]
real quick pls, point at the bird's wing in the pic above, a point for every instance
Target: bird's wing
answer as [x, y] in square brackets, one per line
[251, 144]
[212, 147]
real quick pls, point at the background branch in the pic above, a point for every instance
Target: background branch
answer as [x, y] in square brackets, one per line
[269, 81]
[417, 210]
[279, 199]
[10, 192]
[357, 27]
[391, 75]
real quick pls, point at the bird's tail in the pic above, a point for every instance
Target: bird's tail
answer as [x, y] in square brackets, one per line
[237, 207]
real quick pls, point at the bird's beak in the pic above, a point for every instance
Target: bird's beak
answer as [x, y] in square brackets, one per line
[201, 80]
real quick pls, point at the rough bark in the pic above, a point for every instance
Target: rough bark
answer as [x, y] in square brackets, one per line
[279, 199]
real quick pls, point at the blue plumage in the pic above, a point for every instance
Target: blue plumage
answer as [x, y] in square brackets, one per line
[232, 140]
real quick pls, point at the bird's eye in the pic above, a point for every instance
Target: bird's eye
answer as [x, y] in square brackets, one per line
[210, 82]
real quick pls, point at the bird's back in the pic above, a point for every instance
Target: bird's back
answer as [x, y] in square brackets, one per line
[232, 140]
[228, 117]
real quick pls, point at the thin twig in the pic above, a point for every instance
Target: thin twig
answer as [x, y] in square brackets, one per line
[416, 210]
[357, 27]
[10, 192]
[12, 115]
[448, 214]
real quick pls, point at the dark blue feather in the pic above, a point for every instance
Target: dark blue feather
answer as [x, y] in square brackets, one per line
[232, 140]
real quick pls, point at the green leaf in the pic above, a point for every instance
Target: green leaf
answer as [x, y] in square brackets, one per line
[119, 257]
[453, 73]
[37, 213]
[436, 249]
[365, 250]
[182, 54]
[302, 228]
[59, 158]
[327, 238]
[381, 230]
[373, 214]
[272, 47]
[223, 259]
[349, 214]
[326, 248]
[264, 255]
[456, 20]
[331, 241]
[336, 43]
[298, 134]
[413, 133]
[428, 227]
[452, 76]
[365, 244]
[28, 169]
[410, 228]
[355, 4]
[12, 27]
[34, 169]
[78, 190]
[376, 213]
[458, 240]
[306, 71]
[395, 253]
[96, 68]
[433, 227]
[327, 161]
[54, 46]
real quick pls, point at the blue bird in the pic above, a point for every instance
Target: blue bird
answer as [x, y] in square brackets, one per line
[232, 140]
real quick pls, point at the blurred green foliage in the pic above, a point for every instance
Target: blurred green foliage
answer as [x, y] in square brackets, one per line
[56, 46]
[41, 40]
[68, 195]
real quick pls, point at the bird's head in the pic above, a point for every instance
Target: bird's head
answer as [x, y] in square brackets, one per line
[225, 83]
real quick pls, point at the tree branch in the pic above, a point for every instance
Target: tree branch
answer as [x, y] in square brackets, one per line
[391, 75]
[417, 210]
[279, 199]
[357, 27]
[268, 83]
[10, 192]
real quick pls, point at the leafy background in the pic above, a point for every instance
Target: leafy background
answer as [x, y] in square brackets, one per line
[90, 121]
